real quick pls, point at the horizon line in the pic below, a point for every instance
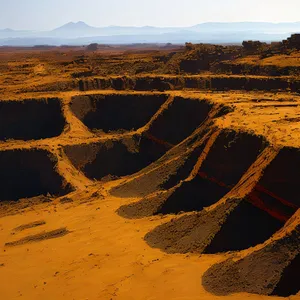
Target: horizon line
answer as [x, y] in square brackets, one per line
[151, 26]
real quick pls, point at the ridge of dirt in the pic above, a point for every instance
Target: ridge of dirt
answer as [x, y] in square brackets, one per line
[39, 237]
[29, 225]
[267, 263]
[161, 171]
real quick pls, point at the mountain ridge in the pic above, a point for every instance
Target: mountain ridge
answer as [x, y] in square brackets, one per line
[217, 32]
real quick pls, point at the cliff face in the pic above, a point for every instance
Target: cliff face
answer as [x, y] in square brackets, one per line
[293, 42]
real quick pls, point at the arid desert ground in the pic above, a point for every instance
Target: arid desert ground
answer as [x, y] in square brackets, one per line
[150, 172]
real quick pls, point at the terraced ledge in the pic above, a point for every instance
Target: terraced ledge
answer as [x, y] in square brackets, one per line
[198, 82]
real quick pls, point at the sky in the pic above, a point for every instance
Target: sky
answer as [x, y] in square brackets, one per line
[49, 14]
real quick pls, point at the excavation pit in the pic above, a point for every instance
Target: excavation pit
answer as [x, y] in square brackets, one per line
[29, 173]
[114, 158]
[271, 203]
[31, 119]
[180, 119]
[117, 111]
[220, 171]
[169, 170]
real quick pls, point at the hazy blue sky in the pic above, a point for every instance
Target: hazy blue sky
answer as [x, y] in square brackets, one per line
[48, 14]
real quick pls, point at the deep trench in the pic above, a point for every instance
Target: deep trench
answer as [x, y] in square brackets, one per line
[116, 112]
[181, 118]
[29, 173]
[220, 171]
[31, 119]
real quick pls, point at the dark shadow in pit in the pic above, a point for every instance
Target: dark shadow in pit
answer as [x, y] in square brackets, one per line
[232, 226]
[266, 209]
[251, 221]
[29, 173]
[116, 112]
[181, 118]
[169, 170]
[184, 169]
[228, 159]
[245, 227]
[114, 158]
[272, 269]
[193, 195]
[282, 177]
[118, 161]
[289, 283]
[31, 119]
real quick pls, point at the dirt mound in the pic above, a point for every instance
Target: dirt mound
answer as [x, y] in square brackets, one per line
[29, 225]
[218, 169]
[174, 166]
[29, 173]
[190, 233]
[179, 160]
[289, 283]
[39, 237]
[269, 270]
[219, 172]
[232, 226]
[245, 227]
[31, 119]
[235, 224]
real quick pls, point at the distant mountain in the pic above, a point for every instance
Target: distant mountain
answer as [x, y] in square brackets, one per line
[74, 26]
[77, 33]
[7, 30]
[10, 33]
[79, 29]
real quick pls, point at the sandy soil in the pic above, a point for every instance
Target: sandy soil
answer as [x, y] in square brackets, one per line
[79, 246]
[103, 257]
